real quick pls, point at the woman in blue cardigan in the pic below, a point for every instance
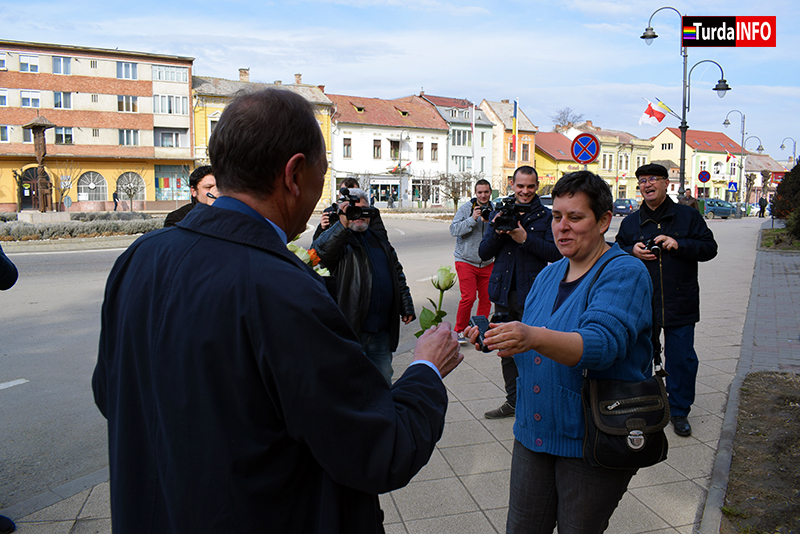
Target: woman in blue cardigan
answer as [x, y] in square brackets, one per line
[568, 327]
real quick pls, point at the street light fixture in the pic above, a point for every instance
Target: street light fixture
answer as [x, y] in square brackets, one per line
[760, 149]
[794, 150]
[721, 88]
[741, 159]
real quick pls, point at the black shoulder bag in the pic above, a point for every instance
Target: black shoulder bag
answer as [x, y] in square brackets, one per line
[625, 421]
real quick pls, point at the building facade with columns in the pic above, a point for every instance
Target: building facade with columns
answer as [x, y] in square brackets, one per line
[122, 121]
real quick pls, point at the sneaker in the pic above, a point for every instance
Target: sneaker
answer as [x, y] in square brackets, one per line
[681, 426]
[506, 410]
[462, 340]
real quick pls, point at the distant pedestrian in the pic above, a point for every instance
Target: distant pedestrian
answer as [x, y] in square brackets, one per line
[689, 200]
[115, 198]
[762, 204]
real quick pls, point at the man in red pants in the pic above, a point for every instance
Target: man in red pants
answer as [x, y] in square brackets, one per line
[468, 227]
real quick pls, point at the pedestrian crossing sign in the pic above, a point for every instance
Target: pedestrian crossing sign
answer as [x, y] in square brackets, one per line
[732, 187]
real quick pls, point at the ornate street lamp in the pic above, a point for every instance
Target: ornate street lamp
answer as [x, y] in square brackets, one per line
[794, 150]
[741, 160]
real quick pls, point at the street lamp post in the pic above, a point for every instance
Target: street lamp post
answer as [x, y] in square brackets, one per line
[721, 87]
[741, 160]
[794, 150]
[760, 149]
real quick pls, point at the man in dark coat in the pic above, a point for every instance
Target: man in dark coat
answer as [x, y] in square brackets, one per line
[678, 239]
[237, 396]
[371, 285]
[519, 255]
[203, 188]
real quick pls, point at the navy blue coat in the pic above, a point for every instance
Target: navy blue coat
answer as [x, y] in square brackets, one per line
[676, 292]
[8, 271]
[237, 396]
[521, 262]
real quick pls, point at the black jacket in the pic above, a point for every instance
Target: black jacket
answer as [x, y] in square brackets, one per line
[676, 293]
[342, 253]
[520, 263]
[238, 398]
[174, 217]
[8, 271]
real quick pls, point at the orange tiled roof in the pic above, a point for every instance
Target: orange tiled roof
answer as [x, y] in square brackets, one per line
[408, 112]
[555, 145]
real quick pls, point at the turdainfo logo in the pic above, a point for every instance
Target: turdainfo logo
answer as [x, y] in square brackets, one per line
[728, 31]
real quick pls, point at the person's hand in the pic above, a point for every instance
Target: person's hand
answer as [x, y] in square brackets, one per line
[342, 217]
[518, 234]
[325, 221]
[407, 319]
[476, 212]
[439, 345]
[642, 253]
[509, 338]
[666, 242]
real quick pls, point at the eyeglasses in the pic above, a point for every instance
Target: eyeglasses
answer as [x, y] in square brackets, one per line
[650, 179]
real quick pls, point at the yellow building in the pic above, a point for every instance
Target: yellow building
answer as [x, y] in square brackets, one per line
[211, 95]
[554, 160]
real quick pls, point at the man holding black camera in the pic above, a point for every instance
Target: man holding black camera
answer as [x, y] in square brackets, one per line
[521, 242]
[471, 220]
[371, 286]
[671, 238]
[331, 214]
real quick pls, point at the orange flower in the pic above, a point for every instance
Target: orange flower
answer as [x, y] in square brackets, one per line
[314, 257]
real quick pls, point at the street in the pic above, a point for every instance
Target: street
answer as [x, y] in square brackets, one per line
[53, 433]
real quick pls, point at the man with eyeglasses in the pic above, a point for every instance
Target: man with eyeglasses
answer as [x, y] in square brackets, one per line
[671, 238]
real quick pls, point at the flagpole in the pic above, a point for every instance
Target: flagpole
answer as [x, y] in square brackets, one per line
[516, 134]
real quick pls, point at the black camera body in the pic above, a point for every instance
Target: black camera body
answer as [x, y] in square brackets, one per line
[353, 212]
[652, 247]
[486, 209]
[509, 214]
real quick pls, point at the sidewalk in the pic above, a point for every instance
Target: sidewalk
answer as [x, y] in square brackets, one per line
[464, 488]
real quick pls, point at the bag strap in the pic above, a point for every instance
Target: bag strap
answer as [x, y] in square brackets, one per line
[659, 368]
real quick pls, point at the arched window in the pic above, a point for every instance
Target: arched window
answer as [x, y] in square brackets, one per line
[92, 186]
[130, 185]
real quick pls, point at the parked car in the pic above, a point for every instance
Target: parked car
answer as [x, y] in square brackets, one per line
[719, 208]
[625, 206]
[546, 200]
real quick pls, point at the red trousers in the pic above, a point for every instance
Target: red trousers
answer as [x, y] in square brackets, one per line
[472, 281]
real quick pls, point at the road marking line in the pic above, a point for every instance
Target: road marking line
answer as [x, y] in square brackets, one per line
[426, 279]
[65, 251]
[13, 383]
[399, 230]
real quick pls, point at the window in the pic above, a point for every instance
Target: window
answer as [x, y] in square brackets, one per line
[2, 60]
[93, 63]
[511, 153]
[483, 139]
[525, 152]
[28, 63]
[128, 104]
[171, 104]
[462, 163]
[666, 146]
[92, 187]
[126, 71]
[703, 165]
[608, 162]
[624, 162]
[62, 100]
[27, 135]
[95, 132]
[61, 65]
[376, 149]
[129, 137]
[170, 139]
[483, 163]
[169, 73]
[95, 98]
[718, 167]
[733, 167]
[641, 160]
[211, 125]
[454, 113]
[63, 136]
[621, 192]
[172, 182]
[462, 138]
[394, 149]
[3, 134]
[131, 184]
[434, 151]
[3, 97]
[347, 148]
[30, 99]
[420, 151]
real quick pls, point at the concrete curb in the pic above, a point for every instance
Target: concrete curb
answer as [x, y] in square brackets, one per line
[57, 494]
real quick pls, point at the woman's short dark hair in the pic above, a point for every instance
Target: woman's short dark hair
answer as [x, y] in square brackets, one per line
[256, 136]
[595, 188]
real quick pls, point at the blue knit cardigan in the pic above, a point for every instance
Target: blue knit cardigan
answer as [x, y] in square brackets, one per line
[615, 326]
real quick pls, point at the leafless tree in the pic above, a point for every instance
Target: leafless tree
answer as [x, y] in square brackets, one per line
[18, 176]
[130, 182]
[456, 186]
[66, 174]
[565, 118]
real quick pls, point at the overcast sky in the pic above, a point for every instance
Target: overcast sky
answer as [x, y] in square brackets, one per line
[582, 54]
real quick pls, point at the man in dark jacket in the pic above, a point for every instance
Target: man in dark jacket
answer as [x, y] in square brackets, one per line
[371, 286]
[519, 255]
[671, 239]
[267, 416]
[201, 185]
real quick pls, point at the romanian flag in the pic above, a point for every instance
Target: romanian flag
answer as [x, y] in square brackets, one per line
[689, 32]
[514, 127]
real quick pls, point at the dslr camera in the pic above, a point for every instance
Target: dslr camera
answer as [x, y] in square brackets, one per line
[353, 212]
[509, 213]
[486, 209]
[652, 247]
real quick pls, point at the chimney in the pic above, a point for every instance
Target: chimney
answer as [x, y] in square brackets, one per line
[589, 124]
[298, 78]
[504, 101]
[244, 75]
[278, 82]
[321, 88]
